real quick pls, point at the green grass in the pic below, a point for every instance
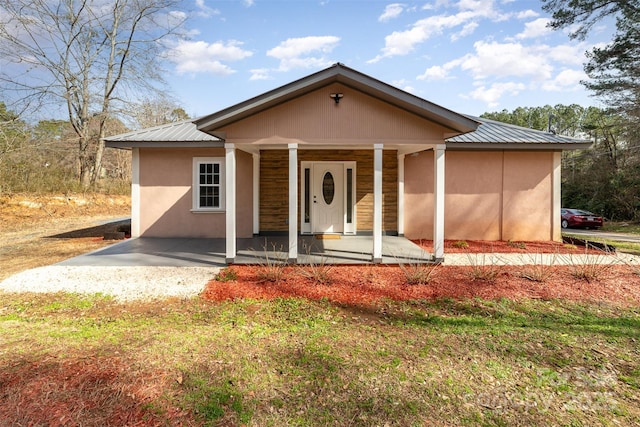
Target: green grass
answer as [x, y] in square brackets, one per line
[626, 247]
[304, 363]
[622, 227]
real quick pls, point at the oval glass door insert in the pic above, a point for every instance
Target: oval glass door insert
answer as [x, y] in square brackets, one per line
[328, 188]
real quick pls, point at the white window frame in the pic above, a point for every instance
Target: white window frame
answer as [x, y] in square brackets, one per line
[195, 188]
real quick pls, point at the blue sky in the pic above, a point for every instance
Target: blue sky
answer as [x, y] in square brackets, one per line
[471, 56]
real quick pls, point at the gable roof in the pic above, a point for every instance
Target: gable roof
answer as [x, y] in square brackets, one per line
[339, 73]
[184, 133]
[473, 132]
[507, 135]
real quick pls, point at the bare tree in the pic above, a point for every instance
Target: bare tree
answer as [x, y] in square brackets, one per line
[158, 111]
[87, 56]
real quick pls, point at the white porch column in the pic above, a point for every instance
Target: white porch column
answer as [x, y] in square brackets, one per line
[135, 192]
[438, 202]
[230, 201]
[293, 202]
[377, 203]
[556, 231]
[400, 194]
[256, 193]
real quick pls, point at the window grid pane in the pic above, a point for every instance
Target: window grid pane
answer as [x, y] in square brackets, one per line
[209, 188]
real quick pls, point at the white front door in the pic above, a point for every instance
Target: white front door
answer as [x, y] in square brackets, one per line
[327, 198]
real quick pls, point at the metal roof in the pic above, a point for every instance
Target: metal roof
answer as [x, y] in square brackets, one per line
[184, 133]
[339, 73]
[493, 132]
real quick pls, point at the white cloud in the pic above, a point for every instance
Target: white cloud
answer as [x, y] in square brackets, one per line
[494, 59]
[391, 11]
[203, 57]
[304, 52]
[436, 72]
[248, 3]
[404, 42]
[566, 54]
[526, 14]
[205, 11]
[535, 29]
[566, 80]
[468, 29]
[492, 94]
[260, 74]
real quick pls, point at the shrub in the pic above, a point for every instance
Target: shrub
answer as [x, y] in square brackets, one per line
[317, 271]
[536, 269]
[271, 267]
[416, 273]
[460, 244]
[517, 245]
[590, 268]
[226, 274]
[482, 268]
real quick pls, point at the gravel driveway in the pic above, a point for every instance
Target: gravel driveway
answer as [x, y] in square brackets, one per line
[123, 283]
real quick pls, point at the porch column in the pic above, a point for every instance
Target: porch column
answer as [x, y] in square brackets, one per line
[293, 203]
[256, 193]
[230, 201]
[438, 202]
[556, 232]
[377, 203]
[400, 194]
[135, 192]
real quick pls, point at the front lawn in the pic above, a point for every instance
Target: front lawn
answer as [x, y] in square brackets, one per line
[75, 360]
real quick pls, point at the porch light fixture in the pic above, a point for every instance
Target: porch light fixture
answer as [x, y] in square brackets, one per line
[336, 97]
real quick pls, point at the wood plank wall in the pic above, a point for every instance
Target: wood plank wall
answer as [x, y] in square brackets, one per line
[274, 185]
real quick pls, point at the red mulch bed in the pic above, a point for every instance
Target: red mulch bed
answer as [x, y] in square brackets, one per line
[369, 284]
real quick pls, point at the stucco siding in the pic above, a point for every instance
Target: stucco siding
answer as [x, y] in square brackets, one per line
[316, 118]
[166, 196]
[491, 195]
[528, 196]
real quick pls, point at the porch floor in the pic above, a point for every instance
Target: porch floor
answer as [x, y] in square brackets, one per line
[187, 252]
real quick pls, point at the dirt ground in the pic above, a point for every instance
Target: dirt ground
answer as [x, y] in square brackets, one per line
[42, 230]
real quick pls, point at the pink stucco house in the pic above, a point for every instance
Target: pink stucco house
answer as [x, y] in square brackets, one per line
[341, 152]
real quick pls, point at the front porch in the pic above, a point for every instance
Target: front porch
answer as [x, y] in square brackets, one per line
[192, 252]
[296, 190]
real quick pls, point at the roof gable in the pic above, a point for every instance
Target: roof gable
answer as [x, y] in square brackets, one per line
[338, 73]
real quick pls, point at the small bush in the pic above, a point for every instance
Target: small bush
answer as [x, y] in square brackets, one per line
[317, 271]
[460, 244]
[483, 267]
[227, 274]
[517, 245]
[535, 268]
[590, 268]
[271, 267]
[418, 273]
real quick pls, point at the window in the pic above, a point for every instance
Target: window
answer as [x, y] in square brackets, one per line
[208, 183]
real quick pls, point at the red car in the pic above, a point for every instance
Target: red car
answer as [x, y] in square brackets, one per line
[579, 218]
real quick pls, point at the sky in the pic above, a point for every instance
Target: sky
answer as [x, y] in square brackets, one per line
[470, 56]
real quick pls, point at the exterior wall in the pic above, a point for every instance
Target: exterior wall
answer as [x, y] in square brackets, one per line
[316, 118]
[166, 177]
[490, 195]
[274, 203]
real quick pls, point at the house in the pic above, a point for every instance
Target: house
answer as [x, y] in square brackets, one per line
[341, 152]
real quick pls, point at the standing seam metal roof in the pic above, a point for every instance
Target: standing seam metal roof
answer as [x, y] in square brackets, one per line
[185, 131]
[494, 132]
